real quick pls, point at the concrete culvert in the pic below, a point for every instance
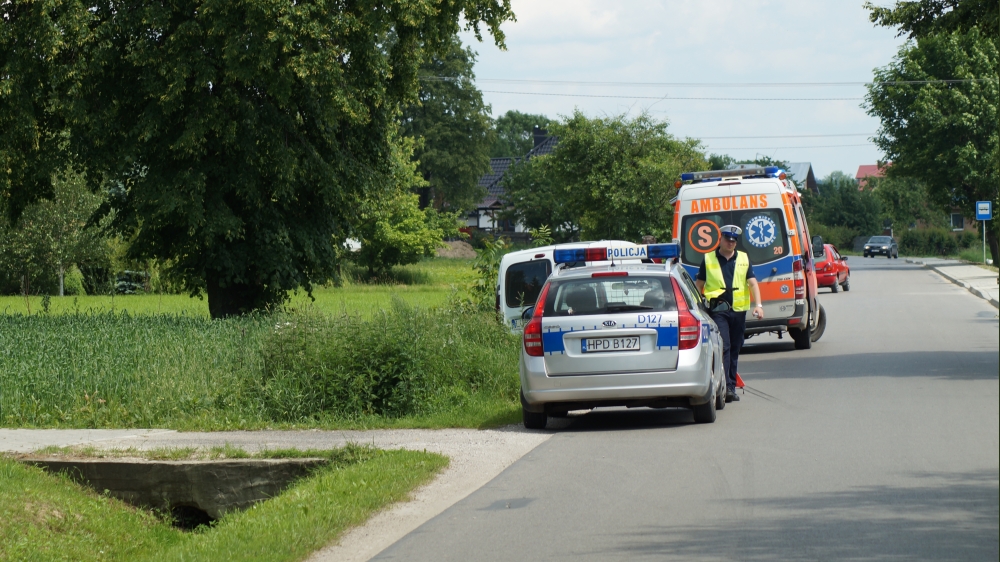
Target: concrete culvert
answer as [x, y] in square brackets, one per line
[189, 517]
[212, 487]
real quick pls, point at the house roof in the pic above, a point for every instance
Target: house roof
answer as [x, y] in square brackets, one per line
[802, 173]
[492, 181]
[869, 170]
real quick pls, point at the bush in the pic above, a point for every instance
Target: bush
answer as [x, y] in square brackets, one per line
[840, 236]
[73, 282]
[931, 242]
[403, 361]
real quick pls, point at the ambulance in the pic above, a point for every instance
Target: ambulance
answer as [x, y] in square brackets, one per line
[765, 203]
[522, 273]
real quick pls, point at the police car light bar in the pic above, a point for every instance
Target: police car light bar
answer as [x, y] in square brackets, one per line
[649, 251]
[580, 254]
[663, 251]
[767, 171]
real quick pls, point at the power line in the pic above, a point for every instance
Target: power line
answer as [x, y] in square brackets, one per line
[784, 147]
[790, 136]
[664, 98]
[702, 84]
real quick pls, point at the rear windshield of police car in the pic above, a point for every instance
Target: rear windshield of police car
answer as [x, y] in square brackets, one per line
[609, 295]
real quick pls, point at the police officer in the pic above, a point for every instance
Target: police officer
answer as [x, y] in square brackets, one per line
[727, 280]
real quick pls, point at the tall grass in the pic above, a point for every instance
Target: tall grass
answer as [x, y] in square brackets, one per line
[304, 367]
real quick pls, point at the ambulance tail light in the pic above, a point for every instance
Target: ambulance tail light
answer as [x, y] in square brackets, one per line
[689, 326]
[799, 278]
[532, 335]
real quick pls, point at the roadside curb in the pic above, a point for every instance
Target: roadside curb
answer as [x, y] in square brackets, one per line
[958, 282]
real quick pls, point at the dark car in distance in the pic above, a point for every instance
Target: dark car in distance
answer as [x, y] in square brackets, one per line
[881, 246]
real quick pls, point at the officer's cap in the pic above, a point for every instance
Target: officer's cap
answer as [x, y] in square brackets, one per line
[731, 231]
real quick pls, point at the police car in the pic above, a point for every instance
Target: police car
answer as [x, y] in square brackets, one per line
[623, 334]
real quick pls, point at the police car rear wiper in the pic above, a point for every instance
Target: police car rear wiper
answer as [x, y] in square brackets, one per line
[623, 307]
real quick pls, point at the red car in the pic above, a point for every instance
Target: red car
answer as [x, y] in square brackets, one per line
[832, 270]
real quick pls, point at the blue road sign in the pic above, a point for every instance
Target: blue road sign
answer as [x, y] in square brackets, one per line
[984, 210]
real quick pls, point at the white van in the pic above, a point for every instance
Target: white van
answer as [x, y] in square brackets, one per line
[522, 274]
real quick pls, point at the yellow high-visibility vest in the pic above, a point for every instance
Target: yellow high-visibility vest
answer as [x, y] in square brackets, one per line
[715, 285]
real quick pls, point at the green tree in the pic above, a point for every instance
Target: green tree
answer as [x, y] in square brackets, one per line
[611, 178]
[944, 134]
[841, 204]
[39, 61]
[514, 133]
[453, 124]
[537, 199]
[921, 18]
[393, 229]
[905, 201]
[50, 236]
[240, 136]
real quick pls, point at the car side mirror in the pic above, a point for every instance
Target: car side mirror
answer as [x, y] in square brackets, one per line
[818, 249]
[843, 258]
[527, 313]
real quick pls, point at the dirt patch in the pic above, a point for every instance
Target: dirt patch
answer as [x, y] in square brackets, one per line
[457, 249]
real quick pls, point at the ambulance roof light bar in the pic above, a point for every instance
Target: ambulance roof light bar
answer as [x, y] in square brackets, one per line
[716, 175]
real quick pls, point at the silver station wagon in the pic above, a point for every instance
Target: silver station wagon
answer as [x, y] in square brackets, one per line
[627, 334]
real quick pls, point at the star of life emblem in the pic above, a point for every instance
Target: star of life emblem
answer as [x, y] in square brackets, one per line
[761, 231]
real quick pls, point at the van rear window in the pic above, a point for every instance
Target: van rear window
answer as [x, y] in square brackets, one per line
[764, 236]
[610, 295]
[524, 281]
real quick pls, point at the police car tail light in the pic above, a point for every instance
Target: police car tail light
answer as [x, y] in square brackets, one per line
[532, 335]
[580, 254]
[690, 327]
[799, 279]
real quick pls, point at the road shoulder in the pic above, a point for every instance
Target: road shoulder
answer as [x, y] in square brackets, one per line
[978, 281]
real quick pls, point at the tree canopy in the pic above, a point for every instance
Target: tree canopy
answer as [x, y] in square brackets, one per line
[237, 137]
[453, 126]
[514, 133]
[921, 18]
[944, 134]
[841, 204]
[608, 178]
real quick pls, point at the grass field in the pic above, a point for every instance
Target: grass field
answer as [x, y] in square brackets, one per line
[427, 284]
[47, 517]
[361, 356]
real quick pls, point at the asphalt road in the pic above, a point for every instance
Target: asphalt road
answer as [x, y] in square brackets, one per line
[879, 443]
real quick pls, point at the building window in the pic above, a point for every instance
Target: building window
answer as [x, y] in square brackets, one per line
[957, 221]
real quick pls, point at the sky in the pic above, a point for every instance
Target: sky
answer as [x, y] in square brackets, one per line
[651, 51]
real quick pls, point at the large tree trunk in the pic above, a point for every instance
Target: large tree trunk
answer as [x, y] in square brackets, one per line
[227, 299]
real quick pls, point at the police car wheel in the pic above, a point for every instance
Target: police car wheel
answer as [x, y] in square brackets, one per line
[534, 420]
[720, 397]
[705, 413]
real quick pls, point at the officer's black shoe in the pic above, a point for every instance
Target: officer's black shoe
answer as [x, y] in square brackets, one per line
[731, 396]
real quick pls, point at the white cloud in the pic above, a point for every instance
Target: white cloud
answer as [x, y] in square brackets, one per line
[700, 41]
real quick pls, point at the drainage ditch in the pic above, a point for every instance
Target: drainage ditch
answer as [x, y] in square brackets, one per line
[194, 492]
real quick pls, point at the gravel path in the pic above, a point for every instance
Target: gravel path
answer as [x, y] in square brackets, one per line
[476, 457]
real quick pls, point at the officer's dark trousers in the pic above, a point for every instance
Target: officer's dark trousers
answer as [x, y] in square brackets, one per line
[731, 325]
